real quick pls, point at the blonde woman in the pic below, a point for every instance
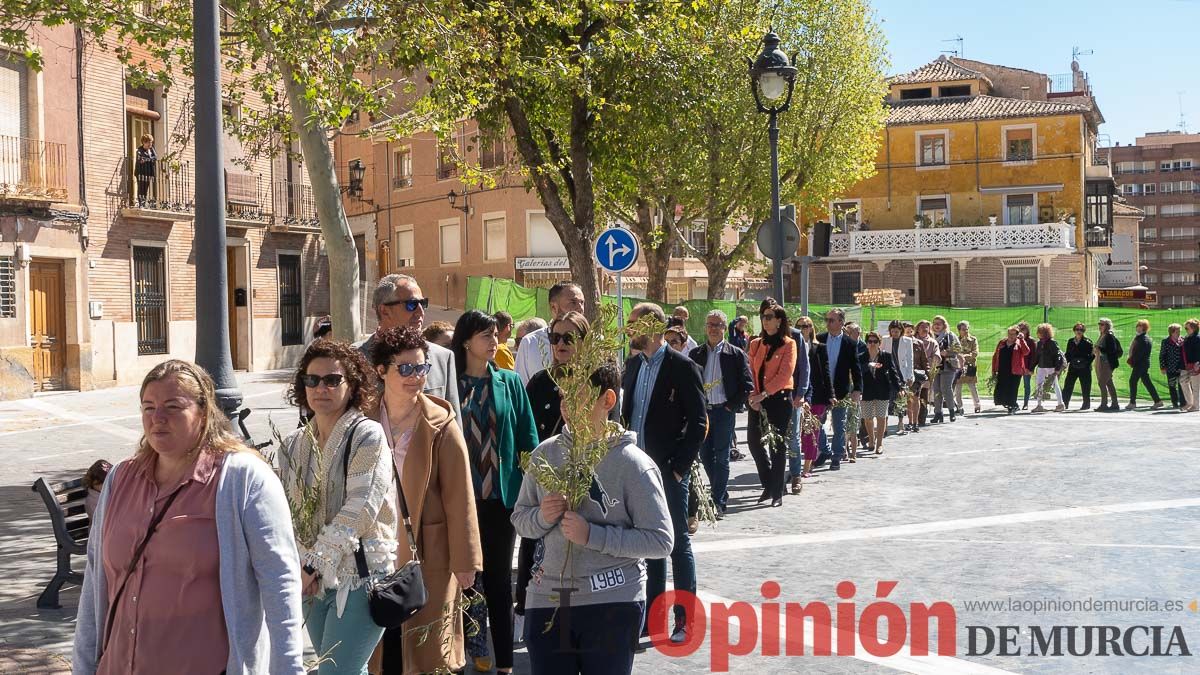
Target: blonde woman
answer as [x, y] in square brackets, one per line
[1139, 361]
[1050, 361]
[223, 592]
[970, 357]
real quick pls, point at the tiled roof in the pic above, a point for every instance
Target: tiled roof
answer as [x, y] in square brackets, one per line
[941, 70]
[1123, 209]
[968, 108]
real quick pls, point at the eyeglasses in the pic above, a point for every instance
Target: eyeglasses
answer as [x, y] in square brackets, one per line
[565, 338]
[1079, 330]
[412, 369]
[872, 342]
[332, 380]
[410, 304]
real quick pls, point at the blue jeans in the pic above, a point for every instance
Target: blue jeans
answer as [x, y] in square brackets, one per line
[795, 456]
[354, 633]
[714, 454]
[839, 435]
[683, 564]
[1026, 379]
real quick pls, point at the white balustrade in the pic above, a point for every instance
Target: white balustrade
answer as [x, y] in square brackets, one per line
[985, 238]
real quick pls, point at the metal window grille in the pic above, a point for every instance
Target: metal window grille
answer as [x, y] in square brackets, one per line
[150, 299]
[844, 286]
[8, 288]
[289, 300]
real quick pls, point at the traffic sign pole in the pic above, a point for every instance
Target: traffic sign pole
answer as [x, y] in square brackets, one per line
[616, 251]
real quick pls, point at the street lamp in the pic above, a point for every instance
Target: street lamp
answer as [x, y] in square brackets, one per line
[772, 77]
[358, 172]
[212, 299]
[453, 196]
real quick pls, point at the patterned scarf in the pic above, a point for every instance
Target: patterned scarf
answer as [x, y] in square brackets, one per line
[481, 433]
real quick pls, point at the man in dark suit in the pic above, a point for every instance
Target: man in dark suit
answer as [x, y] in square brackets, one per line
[727, 383]
[660, 379]
[845, 375]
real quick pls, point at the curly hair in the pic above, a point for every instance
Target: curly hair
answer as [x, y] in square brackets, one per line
[359, 374]
[391, 342]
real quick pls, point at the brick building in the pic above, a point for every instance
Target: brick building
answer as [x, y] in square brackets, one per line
[988, 191]
[1160, 174]
[498, 230]
[97, 275]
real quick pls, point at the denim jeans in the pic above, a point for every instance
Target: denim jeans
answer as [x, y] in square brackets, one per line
[714, 454]
[838, 451]
[683, 564]
[795, 454]
[1025, 379]
[346, 642]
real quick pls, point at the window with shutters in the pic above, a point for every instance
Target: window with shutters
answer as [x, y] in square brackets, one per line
[491, 153]
[402, 168]
[8, 288]
[1019, 143]
[1021, 285]
[405, 250]
[150, 298]
[14, 118]
[450, 236]
[935, 211]
[291, 313]
[846, 215]
[447, 166]
[495, 236]
[543, 240]
[1019, 209]
[844, 285]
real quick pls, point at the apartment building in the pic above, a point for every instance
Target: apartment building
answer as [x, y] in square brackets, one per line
[988, 191]
[97, 273]
[1160, 174]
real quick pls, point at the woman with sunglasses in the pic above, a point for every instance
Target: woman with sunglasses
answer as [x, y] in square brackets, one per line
[816, 398]
[881, 381]
[429, 457]
[498, 425]
[1079, 357]
[338, 466]
[772, 360]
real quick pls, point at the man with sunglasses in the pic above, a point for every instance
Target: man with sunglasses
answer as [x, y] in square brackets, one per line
[533, 353]
[399, 303]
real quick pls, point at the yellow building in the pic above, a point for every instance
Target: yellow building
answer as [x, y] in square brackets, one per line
[988, 191]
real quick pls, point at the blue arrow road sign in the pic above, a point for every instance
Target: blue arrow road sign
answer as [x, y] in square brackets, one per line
[616, 249]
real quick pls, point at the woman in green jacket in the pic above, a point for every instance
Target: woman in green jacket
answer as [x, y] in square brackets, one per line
[498, 424]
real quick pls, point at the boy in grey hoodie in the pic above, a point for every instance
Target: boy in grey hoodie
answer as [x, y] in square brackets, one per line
[601, 596]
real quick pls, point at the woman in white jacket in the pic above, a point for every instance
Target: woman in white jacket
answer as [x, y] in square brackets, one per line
[900, 347]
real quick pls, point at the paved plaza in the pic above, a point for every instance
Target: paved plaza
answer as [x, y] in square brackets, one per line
[1051, 508]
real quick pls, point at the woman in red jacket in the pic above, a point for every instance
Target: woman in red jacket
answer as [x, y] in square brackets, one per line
[1008, 365]
[772, 360]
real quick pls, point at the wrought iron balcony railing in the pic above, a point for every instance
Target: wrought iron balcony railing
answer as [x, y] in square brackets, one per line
[32, 170]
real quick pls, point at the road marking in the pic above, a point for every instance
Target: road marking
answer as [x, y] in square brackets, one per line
[911, 529]
[1174, 547]
[82, 420]
[904, 661]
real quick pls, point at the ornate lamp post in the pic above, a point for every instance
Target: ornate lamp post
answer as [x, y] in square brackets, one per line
[772, 77]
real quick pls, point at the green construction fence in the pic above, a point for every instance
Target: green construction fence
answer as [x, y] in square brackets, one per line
[989, 324]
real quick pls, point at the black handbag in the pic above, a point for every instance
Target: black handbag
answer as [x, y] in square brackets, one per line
[972, 370]
[396, 598]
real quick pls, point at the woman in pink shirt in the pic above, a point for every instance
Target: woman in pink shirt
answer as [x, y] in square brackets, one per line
[191, 564]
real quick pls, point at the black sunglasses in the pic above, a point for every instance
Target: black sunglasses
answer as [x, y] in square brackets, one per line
[411, 369]
[332, 380]
[565, 338]
[872, 342]
[410, 304]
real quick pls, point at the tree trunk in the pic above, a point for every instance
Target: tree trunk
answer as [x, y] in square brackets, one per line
[656, 258]
[335, 229]
[717, 276]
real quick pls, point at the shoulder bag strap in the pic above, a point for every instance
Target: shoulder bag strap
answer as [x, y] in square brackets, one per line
[360, 558]
[137, 556]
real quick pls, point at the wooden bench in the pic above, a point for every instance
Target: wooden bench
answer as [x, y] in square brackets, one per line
[71, 524]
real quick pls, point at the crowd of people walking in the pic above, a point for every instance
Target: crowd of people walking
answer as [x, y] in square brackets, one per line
[409, 460]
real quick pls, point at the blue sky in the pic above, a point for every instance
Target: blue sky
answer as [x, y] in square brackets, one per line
[1144, 52]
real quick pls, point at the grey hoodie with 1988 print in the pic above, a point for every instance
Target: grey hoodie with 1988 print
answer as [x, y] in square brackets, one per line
[629, 520]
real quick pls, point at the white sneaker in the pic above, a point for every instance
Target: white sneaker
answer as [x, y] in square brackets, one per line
[679, 635]
[518, 629]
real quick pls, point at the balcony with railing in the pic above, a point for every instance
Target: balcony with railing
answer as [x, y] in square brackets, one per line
[1098, 238]
[974, 241]
[32, 170]
[247, 203]
[294, 207]
[165, 192]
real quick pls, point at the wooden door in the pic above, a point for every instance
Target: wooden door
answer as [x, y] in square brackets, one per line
[47, 329]
[934, 285]
[231, 275]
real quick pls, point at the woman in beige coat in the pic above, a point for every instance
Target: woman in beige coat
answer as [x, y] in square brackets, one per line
[430, 458]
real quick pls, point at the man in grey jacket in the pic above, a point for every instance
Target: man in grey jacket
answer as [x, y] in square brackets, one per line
[398, 302]
[600, 597]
